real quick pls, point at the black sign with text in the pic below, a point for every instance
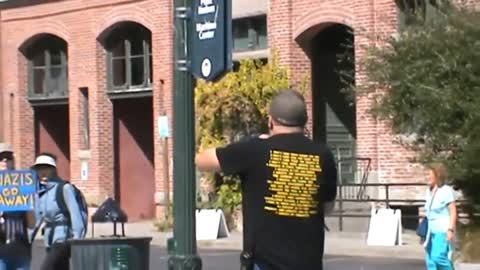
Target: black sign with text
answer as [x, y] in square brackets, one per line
[211, 51]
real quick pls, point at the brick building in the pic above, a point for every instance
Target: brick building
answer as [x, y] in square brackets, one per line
[88, 79]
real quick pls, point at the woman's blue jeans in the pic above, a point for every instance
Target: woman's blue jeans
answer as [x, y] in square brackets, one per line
[19, 263]
[438, 253]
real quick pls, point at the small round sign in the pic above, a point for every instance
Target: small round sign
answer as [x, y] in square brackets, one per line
[206, 67]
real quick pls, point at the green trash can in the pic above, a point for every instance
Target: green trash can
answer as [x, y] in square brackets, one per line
[113, 253]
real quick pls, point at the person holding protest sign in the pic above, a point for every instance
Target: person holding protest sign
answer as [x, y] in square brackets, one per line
[60, 225]
[15, 248]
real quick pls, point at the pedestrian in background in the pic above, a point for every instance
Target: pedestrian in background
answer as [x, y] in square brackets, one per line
[441, 214]
[59, 226]
[288, 182]
[15, 247]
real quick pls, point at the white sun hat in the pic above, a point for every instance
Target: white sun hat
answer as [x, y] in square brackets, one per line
[5, 148]
[45, 160]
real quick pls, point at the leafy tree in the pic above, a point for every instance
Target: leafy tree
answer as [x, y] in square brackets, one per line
[236, 107]
[430, 74]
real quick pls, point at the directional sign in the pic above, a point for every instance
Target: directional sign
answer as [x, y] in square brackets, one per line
[211, 51]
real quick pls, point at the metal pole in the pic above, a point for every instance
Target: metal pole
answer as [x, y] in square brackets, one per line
[340, 193]
[166, 177]
[183, 248]
[387, 195]
[340, 206]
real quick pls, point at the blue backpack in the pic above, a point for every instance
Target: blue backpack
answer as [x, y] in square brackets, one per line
[79, 198]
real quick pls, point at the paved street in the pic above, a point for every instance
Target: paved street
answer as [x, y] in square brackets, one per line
[345, 251]
[228, 260]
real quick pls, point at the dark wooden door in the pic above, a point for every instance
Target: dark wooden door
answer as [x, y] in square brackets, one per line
[52, 135]
[134, 158]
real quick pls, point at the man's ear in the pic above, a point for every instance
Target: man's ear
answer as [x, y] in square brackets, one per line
[270, 123]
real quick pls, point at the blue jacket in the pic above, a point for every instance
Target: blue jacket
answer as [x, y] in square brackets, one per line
[48, 209]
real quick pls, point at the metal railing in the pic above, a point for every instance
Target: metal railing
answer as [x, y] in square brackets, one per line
[364, 166]
[367, 199]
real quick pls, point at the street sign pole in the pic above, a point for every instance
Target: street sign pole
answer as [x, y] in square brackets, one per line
[203, 49]
[183, 248]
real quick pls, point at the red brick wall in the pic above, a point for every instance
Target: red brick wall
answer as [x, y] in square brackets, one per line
[292, 24]
[80, 23]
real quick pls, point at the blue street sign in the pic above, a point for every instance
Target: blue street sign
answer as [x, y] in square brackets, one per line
[211, 51]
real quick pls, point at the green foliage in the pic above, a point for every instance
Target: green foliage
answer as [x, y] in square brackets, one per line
[234, 107]
[426, 84]
[469, 238]
[229, 195]
[165, 224]
[237, 103]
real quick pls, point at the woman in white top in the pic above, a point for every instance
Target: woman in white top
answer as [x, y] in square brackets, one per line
[442, 219]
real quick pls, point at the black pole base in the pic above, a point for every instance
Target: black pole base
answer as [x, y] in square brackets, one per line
[180, 262]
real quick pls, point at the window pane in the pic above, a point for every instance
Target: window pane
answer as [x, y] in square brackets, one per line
[118, 72]
[260, 26]
[38, 59]
[138, 71]
[57, 82]
[55, 57]
[136, 46]
[56, 72]
[118, 49]
[85, 118]
[38, 81]
[240, 34]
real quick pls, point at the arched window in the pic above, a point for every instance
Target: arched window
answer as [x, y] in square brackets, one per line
[47, 68]
[129, 58]
[411, 12]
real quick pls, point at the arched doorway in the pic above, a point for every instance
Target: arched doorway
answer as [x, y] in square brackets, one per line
[47, 82]
[334, 111]
[129, 86]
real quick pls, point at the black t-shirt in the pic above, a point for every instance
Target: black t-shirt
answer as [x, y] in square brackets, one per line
[285, 181]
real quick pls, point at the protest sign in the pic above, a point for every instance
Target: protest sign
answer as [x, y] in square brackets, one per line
[17, 190]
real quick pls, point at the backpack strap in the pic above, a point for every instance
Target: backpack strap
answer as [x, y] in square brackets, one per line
[60, 198]
[35, 231]
[62, 205]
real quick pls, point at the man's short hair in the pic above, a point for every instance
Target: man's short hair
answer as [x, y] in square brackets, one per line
[288, 108]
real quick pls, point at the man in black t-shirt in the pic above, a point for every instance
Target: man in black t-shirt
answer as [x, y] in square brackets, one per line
[288, 183]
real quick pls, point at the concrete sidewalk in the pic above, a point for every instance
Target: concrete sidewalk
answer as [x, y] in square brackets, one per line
[337, 243]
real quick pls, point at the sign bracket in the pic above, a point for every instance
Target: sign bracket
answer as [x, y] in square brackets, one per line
[184, 14]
